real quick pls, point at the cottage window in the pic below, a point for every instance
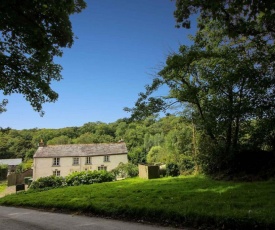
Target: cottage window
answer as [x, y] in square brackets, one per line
[102, 168]
[56, 173]
[76, 161]
[88, 160]
[56, 161]
[106, 158]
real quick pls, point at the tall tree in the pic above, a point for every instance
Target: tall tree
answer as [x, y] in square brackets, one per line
[32, 33]
[223, 82]
[239, 17]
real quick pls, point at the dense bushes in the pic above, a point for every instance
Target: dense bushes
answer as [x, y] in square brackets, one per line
[3, 171]
[88, 177]
[76, 178]
[243, 164]
[48, 182]
[256, 163]
[172, 170]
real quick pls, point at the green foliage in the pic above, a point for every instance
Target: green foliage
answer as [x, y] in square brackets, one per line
[3, 171]
[172, 170]
[24, 166]
[27, 164]
[74, 179]
[156, 155]
[153, 140]
[253, 19]
[47, 182]
[32, 34]
[3, 184]
[186, 164]
[19, 168]
[60, 140]
[137, 155]
[173, 134]
[125, 170]
[89, 177]
[89, 138]
[214, 79]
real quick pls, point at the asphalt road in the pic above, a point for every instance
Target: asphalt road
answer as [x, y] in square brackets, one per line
[12, 218]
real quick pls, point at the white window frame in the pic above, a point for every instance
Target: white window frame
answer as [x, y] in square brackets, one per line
[56, 161]
[75, 160]
[56, 172]
[106, 158]
[88, 160]
[102, 167]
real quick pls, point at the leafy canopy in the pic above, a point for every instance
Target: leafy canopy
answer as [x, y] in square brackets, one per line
[224, 83]
[32, 33]
[239, 17]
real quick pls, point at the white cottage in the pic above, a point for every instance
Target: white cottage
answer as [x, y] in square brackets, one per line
[61, 160]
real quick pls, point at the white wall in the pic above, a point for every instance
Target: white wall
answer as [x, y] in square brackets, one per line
[44, 166]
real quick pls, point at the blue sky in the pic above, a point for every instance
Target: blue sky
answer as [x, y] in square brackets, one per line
[121, 45]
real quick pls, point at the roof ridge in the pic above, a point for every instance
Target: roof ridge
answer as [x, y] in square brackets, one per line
[82, 149]
[89, 144]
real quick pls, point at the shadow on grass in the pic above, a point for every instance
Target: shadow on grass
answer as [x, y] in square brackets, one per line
[183, 201]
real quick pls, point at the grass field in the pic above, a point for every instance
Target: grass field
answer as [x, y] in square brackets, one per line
[184, 201]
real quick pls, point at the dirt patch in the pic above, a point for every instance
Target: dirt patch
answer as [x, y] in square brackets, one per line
[7, 191]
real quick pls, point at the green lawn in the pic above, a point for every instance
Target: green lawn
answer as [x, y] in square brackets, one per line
[3, 185]
[188, 201]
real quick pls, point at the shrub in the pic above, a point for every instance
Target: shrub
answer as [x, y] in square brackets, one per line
[258, 163]
[88, 177]
[172, 169]
[24, 166]
[48, 182]
[125, 170]
[3, 171]
[186, 164]
[74, 179]
[212, 157]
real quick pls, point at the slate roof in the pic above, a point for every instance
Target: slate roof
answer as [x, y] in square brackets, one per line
[15, 161]
[80, 150]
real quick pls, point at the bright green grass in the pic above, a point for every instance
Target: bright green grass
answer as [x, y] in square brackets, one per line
[3, 185]
[191, 201]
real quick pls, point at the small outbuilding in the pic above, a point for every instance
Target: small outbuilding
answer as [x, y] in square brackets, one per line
[12, 164]
[148, 171]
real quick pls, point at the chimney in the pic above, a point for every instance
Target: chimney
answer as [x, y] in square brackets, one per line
[41, 143]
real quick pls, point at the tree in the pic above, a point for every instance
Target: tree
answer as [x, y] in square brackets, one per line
[32, 34]
[60, 140]
[238, 17]
[223, 83]
[156, 155]
[89, 138]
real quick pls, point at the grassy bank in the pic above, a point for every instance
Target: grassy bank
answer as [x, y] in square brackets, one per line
[184, 201]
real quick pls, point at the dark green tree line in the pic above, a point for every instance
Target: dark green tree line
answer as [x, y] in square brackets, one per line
[170, 134]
